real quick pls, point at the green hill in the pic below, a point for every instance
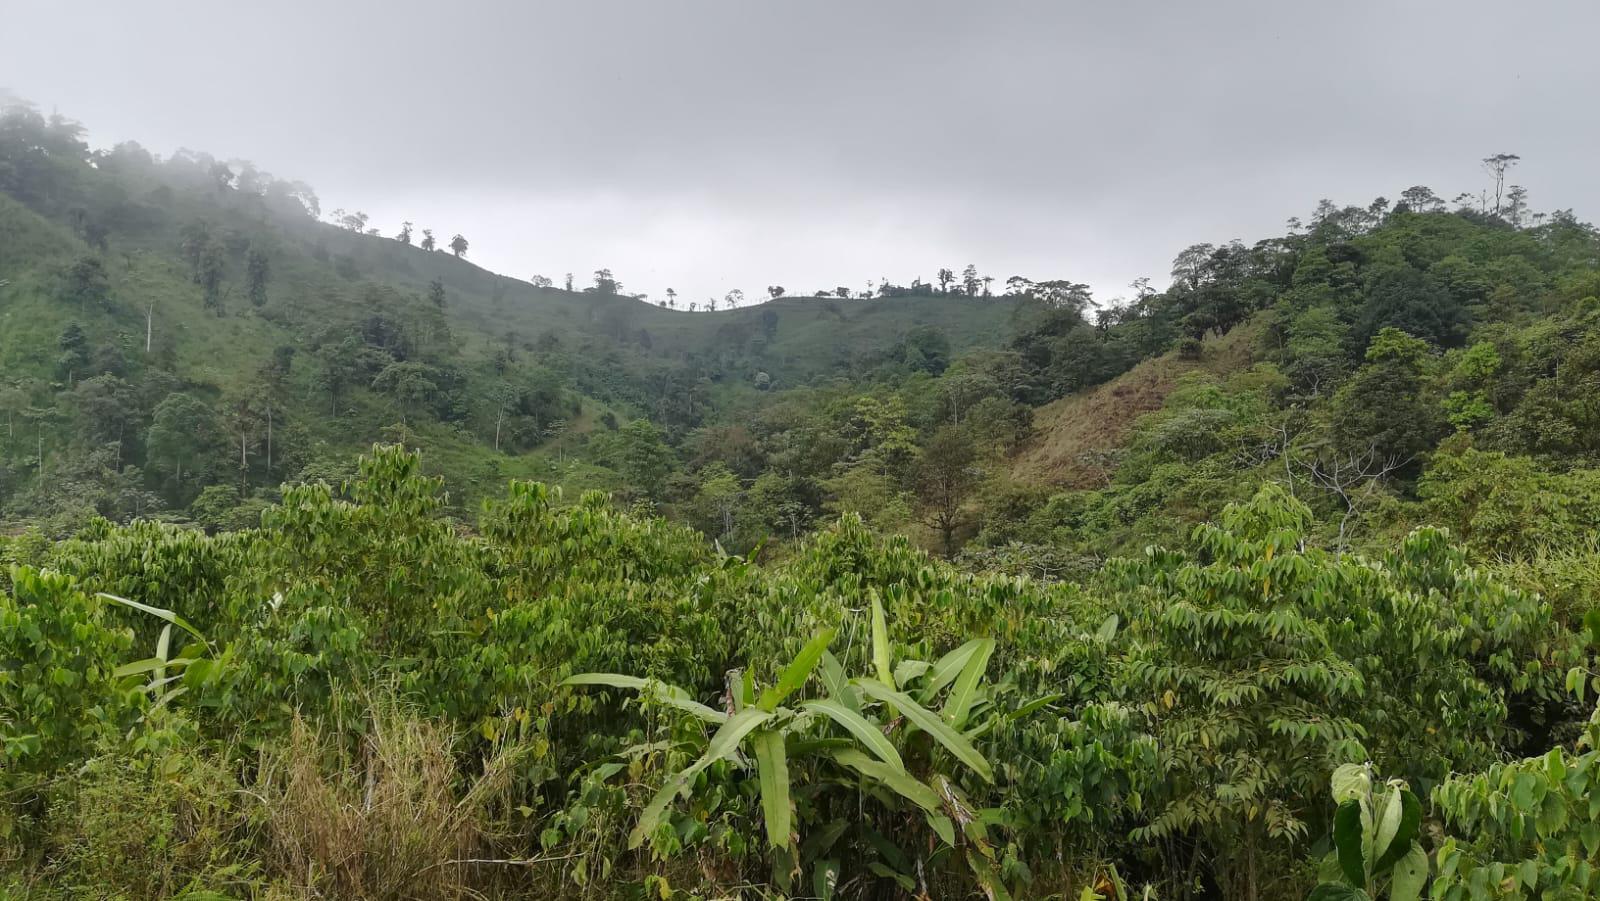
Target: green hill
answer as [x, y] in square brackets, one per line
[126, 281]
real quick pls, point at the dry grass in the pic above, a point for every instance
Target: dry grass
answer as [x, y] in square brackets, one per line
[385, 822]
[1075, 435]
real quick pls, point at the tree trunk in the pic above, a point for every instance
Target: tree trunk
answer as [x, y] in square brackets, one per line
[269, 441]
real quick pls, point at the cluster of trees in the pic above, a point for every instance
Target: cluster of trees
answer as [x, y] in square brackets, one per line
[130, 396]
[970, 284]
[359, 698]
[357, 222]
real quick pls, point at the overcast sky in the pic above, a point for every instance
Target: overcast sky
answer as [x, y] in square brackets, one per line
[710, 145]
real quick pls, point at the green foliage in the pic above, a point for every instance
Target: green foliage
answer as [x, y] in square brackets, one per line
[1249, 698]
[1377, 840]
[1510, 506]
[1523, 829]
[887, 727]
[58, 649]
[161, 820]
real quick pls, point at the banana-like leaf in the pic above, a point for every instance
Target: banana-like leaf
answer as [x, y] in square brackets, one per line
[613, 680]
[149, 664]
[837, 684]
[1107, 630]
[907, 670]
[169, 696]
[948, 667]
[772, 766]
[864, 731]
[988, 878]
[880, 644]
[943, 827]
[929, 722]
[723, 743]
[158, 612]
[797, 672]
[959, 703]
[671, 695]
[1033, 706]
[904, 784]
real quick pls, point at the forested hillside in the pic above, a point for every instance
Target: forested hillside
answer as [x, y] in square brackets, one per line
[1278, 582]
[182, 335]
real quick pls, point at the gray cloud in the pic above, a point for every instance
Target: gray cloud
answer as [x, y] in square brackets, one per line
[710, 145]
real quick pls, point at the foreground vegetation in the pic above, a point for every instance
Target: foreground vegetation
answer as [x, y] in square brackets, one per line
[359, 700]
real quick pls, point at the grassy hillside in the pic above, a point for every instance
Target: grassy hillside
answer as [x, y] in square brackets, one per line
[1076, 437]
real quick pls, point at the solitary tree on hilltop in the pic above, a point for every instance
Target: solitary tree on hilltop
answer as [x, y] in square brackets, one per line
[1496, 166]
[428, 243]
[458, 246]
[970, 280]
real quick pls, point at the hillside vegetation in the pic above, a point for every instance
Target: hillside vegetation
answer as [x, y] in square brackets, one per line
[1278, 583]
[182, 325]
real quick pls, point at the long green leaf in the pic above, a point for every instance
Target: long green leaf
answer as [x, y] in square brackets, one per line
[146, 665]
[656, 809]
[988, 878]
[838, 686]
[930, 723]
[1033, 706]
[797, 672]
[959, 704]
[772, 767]
[864, 731]
[947, 668]
[671, 695]
[159, 613]
[723, 743]
[908, 670]
[880, 644]
[904, 784]
[614, 680]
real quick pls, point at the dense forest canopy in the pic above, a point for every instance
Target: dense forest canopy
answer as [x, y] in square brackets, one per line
[337, 566]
